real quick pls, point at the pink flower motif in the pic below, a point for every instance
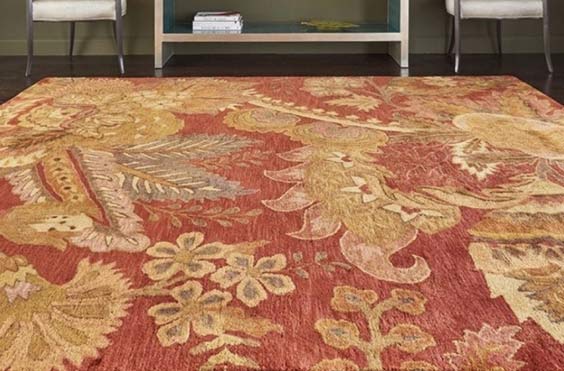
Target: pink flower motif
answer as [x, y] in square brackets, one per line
[489, 349]
[20, 290]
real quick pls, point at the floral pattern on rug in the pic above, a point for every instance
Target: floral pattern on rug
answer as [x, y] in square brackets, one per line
[43, 324]
[324, 223]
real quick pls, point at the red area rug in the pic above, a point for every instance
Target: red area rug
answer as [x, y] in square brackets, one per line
[282, 224]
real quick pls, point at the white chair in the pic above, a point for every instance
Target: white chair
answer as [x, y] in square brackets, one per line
[499, 10]
[75, 11]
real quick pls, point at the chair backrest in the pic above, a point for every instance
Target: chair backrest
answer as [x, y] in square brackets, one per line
[500, 9]
[60, 11]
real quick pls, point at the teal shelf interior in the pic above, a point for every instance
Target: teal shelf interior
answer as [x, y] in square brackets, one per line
[178, 25]
[289, 27]
[394, 14]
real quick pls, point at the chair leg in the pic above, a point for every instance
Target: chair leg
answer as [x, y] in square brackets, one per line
[29, 39]
[29, 50]
[547, 51]
[118, 32]
[457, 44]
[499, 37]
[71, 41]
[451, 37]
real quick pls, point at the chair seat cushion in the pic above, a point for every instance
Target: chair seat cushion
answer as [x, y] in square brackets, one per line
[509, 9]
[76, 10]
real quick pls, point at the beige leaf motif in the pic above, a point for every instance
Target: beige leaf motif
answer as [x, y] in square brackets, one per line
[338, 334]
[361, 102]
[227, 357]
[411, 338]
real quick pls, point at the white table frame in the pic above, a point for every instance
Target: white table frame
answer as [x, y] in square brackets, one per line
[398, 41]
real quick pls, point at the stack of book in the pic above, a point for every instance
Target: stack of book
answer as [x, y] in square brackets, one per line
[217, 22]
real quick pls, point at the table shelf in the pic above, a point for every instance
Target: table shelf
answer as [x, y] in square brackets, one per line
[293, 27]
[284, 32]
[169, 30]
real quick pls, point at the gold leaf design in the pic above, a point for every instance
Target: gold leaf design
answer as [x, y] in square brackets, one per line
[547, 286]
[196, 214]
[338, 334]
[529, 277]
[350, 299]
[342, 334]
[227, 357]
[45, 325]
[410, 338]
[360, 102]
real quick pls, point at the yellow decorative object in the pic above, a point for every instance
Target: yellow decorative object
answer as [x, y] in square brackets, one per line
[321, 25]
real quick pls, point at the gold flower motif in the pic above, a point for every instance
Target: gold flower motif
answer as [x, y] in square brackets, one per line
[254, 280]
[192, 96]
[350, 299]
[338, 138]
[191, 308]
[205, 95]
[261, 120]
[410, 338]
[42, 325]
[343, 334]
[408, 301]
[332, 86]
[188, 256]
[339, 334]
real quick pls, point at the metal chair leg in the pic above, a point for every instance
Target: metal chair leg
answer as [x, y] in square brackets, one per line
[29, 21]
[118, 29]
[457, 39]
[499, 37]
[72, 33]
[118, 34]
[451, 37]
[546, 31]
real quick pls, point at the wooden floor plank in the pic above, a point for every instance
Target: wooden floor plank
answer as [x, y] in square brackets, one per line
[529, 68]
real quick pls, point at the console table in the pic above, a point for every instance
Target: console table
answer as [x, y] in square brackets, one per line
[395, 32]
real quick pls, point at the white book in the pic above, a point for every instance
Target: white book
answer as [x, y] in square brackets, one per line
[215, 32]
[226, 26]
[218, 24]
[216, 29]
[217, 16]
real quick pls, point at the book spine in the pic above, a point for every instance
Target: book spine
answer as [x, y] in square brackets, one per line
[234, 23]
[217, 31]
[217, 26]
[217, 18]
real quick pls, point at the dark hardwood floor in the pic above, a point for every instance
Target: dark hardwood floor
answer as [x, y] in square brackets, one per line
[529, 68]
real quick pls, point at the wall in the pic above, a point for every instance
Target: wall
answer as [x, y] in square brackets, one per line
[428, 28]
